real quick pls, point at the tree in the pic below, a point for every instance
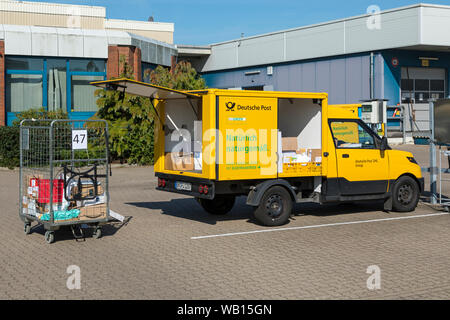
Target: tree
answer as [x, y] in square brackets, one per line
[182, 77]
[131, 118]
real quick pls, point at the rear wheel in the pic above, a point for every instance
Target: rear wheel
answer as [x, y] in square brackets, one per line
[405, 194]
[275, 207]
[220, 205]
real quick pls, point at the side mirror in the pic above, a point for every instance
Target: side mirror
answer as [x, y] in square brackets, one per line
[384, 144]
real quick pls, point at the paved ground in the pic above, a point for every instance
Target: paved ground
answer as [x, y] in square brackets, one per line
[154, 257]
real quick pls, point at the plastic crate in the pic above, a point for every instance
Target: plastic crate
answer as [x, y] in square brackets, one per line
[421, 140]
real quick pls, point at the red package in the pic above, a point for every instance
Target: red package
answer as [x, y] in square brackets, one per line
[44, 190]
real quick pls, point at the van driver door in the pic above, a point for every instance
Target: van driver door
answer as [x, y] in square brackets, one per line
[362, 167]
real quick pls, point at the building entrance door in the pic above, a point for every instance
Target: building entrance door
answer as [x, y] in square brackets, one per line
[418, 86]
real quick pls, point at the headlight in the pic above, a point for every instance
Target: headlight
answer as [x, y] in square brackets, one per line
[411, 159]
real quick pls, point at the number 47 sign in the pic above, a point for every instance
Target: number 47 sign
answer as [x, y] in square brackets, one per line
[79, 139]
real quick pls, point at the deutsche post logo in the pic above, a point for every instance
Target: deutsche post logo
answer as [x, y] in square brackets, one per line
[230, 106]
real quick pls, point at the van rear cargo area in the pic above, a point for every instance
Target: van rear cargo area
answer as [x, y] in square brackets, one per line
[300, 132]
[183, 135]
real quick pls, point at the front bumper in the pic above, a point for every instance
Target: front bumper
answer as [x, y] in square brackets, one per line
[421, 184]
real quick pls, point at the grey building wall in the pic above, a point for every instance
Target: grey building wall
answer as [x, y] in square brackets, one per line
[345, 79]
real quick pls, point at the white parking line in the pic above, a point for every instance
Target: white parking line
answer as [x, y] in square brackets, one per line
[318, 226]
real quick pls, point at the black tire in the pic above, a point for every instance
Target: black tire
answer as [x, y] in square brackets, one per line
[97, 234]
[27, 228]
[49, 236]
[275, 207]
[405, 194]
[220, 205]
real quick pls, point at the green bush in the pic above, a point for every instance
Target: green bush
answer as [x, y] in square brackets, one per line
[9, 136]
[39, 114]
[9, 147]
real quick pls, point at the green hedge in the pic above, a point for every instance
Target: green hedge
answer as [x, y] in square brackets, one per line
[9, 136]
[9, 147]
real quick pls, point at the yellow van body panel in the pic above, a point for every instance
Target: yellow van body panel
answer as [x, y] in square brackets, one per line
[353, 165]
[400, 165]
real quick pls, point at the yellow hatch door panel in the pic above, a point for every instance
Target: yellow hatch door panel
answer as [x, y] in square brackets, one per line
[143, 89]
[362, 169]
[247, 138]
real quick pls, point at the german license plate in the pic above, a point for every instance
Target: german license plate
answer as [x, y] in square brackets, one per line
[184, 186]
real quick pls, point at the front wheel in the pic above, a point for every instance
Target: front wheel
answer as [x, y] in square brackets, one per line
[220, 205]
[275, 207]
[405, 194]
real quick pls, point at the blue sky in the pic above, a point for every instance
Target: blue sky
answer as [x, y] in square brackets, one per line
[201, 22]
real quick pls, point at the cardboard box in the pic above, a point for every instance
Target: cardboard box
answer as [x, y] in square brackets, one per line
[293, 157]
[289, 143]
[178, 162]
[302, 151]
[32, 182]
[92, 212]
[87, 190]
[316, 155]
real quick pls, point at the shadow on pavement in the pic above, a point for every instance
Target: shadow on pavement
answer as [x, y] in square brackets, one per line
[65, 232]
[188, 208]
[316, 209]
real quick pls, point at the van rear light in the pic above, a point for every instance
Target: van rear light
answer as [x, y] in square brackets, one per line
[161, 183]
[203, 189]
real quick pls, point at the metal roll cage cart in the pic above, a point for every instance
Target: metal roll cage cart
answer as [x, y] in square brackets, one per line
[440, 136]
[443, 200]
[63, 179]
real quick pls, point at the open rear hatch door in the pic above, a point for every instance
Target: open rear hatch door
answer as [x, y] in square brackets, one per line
[143, 89]
[178, 142]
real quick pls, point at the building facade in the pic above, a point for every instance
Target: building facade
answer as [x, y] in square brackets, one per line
[50, 52]
[402, 55]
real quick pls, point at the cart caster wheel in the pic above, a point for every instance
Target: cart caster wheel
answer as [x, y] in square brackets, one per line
[97, 233]
[27, 228]
[49, 236]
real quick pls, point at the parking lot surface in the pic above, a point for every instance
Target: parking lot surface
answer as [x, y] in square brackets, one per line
[170, 249]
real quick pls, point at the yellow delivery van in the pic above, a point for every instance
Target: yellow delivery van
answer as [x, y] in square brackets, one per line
[274, 148]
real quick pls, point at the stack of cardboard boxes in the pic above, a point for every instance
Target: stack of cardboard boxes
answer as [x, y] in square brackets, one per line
[36, 202]
[178, 161]
[293, 154]
[93, 208]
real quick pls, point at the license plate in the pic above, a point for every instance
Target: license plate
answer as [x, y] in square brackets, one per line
[185, 186]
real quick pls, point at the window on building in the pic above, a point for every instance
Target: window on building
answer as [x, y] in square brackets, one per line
[422, 84]
[52, 83]
[87, 65]
[21, 63]
[23, 92]
[147, 69]
[253, 88]
[57, 85]
[83, 94]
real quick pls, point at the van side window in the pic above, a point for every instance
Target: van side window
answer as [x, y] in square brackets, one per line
[351, 135]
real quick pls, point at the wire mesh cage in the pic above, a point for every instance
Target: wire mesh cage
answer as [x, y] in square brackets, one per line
[64, 172]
